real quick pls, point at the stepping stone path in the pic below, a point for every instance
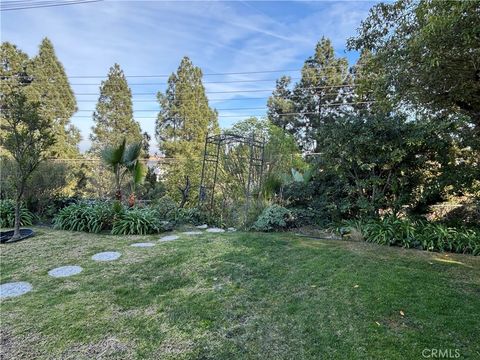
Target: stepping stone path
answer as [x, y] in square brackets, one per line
[169, 238]
[14, 289]
[192, 233]
[106, 256]
[65, 271]
[215, 230]
[146, 244]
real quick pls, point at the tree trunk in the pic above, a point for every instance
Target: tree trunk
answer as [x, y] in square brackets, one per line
[131, 199]
[185, 191]
[16, 227]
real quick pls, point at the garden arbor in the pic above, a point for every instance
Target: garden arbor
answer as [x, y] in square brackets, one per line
[234, 162]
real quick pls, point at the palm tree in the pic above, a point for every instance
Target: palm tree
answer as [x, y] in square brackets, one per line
[125, 160]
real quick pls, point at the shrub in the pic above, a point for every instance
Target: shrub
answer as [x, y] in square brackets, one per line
[192, 216]
[165, 207]
[138, 221]
[7, 214]
[417, 234]
[89, 217]
[46, 209]
[273, 218]
[306, 217]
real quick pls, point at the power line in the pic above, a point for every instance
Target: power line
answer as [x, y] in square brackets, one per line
[203, 82]
[249, 115]
[45, 4]
[194, 100]
[156, 110]
[237, 91]
[205, 74]
[191, 100]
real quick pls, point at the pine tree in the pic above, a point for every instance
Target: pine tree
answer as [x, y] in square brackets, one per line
[184, 120]
[325, 81]
[51, 88]
[113, 115]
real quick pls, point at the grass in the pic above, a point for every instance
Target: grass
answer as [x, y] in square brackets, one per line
[237, 296]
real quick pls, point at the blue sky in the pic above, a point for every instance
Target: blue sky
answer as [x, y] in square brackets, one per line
[151, 37]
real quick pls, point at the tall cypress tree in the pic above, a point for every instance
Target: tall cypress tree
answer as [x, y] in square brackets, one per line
[113, 114]
[50, 87]
[185, 117]
[184, 120]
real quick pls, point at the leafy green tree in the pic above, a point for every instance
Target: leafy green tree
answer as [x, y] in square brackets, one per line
[184, 120]
[28, 137]
[383, 162]
[425, 53]
[113, 116]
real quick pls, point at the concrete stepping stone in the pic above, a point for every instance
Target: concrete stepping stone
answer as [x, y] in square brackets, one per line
[204, 226]
[64, 271]
[14, 289]
[231, 229]
[169, 238]
[106, 256]
[215, 230]
[192, 232]
[145, 244]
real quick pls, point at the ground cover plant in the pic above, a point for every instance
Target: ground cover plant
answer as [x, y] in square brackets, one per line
[419, 234]
[113, 217]
[7, 214]
[237, 295]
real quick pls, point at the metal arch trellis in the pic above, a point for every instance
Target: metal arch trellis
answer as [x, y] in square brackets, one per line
[211, 159]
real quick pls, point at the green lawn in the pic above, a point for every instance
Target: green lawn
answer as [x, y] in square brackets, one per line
[237, 296]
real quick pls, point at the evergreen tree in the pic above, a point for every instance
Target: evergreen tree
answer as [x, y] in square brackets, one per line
[113, 115]
[184, 120]
[146, 144]
[281, 105]
[43, 80]
[324, 84]
[50, 87]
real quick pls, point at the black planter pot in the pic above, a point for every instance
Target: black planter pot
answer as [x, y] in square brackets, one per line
[5, 236]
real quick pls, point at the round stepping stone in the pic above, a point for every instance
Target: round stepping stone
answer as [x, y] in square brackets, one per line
[231, 229]
[192, 232]
[14, 289]
[204, 226]
[146, 244]
[106, 256]
[65, 271]
[169, 238]
[215, 230]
